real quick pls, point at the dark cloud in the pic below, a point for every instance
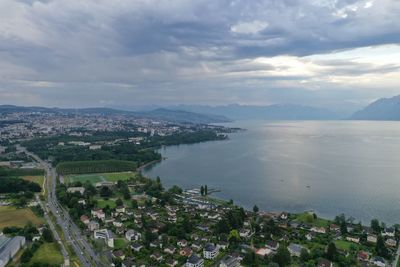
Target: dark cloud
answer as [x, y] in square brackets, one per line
[194, 51]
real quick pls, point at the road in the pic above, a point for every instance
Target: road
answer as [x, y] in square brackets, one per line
[72, 234]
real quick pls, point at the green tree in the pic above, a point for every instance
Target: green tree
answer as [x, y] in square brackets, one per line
[234, 237]
[282, 257]
[305, 255]
[119, 202]
[255, 209]
[331, 253]
[381, 249]
[375, 226]
[47, 235]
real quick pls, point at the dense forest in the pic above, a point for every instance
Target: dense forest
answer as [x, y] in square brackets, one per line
[16, 185]
[19, 172]
[96, 166]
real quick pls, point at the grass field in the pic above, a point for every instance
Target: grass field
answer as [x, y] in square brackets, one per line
[102, 203]
[39, 179]
[11, 216]
[48, 253]
[99, 177]
[345, 245]
[307, 218]
[120, 243]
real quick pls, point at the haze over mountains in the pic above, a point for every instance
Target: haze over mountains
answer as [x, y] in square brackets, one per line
[159, 113]
[382, 109]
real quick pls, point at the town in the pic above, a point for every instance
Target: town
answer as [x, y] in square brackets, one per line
[72, 194]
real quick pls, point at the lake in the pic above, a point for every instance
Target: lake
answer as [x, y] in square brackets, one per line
[331, 167]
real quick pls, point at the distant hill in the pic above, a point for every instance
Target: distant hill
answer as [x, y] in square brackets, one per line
[183, 116]
[382, 109]
[271, 112]
[160, 114]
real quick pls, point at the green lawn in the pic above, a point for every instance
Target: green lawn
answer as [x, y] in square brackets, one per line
[345, 245]
[11, 216]
[99, 177]
[48, 253]
[102, 203]
[120, 243]
[307, 218]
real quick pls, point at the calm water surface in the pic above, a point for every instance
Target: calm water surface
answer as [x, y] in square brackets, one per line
[332, 167]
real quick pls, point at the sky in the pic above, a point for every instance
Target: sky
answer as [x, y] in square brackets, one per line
[337, 54]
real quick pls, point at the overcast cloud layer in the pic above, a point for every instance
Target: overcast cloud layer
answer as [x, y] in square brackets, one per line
[339, 54]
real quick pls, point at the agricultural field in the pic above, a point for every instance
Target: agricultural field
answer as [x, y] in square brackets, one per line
[99, 177]
[48, 253]
[11, 216]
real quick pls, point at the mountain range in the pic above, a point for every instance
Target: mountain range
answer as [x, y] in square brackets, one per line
[159, 113]
[382, 109]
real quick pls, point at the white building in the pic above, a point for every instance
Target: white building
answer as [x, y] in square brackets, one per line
[210, 251]
[194, 261]
[9, 247]
[106, 235]
[132, 235]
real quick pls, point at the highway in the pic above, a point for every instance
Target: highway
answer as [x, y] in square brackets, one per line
[72, 234]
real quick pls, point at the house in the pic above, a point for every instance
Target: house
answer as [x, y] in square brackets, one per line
[324, 263]
[273, 245]
[263, 252]
[98, 213]
[85, 219]
[136, 247]
[93, 226]
[182, 243]
[155, 244]
[389, 232]
[194, 261]
[284, 216]
[196, 246]
[372, 238]
[391, 242]
[128, 263]
[118, 254]
[120, 230]
[171, 262]
[106, 235]
[157, 256]
[170, 250]
[79, 189]
[120, 209]
[353, 239]
[334, 228]
[363, 256]
[295, 249]
[210, 251]
[133, 235]
[310, 236]
[186, 252]
[244, 233]
[222, 245]
[319, 230]
[117, 223]
[229, 261]
[379, 261]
